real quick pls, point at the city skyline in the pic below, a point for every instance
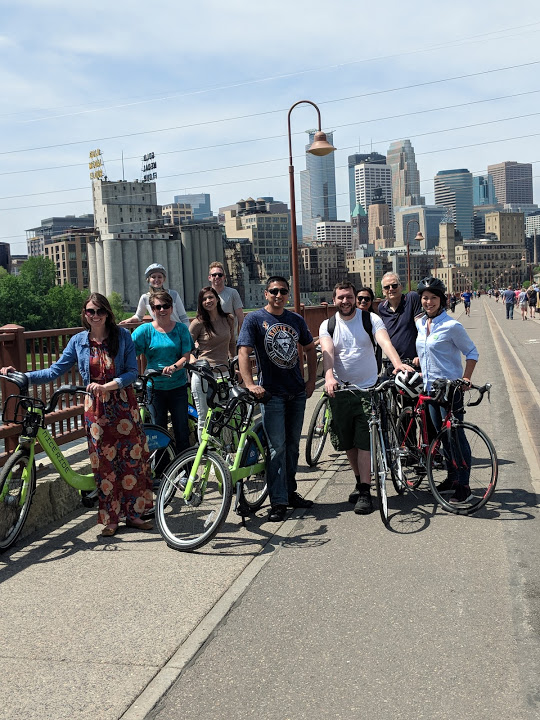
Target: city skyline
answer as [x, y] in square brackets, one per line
[70, 87]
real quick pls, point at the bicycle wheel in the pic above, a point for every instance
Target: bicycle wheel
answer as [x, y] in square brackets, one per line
[189, 523]
[162, 453]
[318, 431]
[379, 475]
[467, 447]
[393, 454]
[17, 486]
[254, 487]
[409, 436]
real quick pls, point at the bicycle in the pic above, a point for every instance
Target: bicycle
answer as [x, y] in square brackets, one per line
[318, 430]
[458, 445]
[18, 476]
[196, 493]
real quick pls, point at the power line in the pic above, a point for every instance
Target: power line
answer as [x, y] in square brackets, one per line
[269, 112]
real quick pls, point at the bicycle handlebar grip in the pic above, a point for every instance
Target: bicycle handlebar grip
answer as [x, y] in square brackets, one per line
[19, 379]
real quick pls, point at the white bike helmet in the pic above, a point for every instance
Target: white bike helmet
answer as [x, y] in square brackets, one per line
[154, 267]
[409, 383]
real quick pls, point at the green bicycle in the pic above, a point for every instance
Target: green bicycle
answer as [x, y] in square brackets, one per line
[196, 493]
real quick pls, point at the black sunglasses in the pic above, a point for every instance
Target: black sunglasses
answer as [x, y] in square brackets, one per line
[216, 275]
[363, 298]
[90, 311]
[394, 286]
[278, 291]
[167, 306]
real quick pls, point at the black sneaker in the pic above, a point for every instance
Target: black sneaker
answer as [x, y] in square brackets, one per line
[297, 501]
[364, 504]
[277, 513]
[462, 494]
[353, 497]
[446, 486]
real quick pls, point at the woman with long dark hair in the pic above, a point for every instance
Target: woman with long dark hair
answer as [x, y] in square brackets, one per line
[213, 334]
[105, 355]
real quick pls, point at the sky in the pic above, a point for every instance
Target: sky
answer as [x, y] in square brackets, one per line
[207, 88]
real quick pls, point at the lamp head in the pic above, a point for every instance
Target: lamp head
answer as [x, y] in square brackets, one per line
[419, 236]
[320, 145]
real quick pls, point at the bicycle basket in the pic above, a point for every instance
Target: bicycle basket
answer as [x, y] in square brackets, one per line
[16, 408]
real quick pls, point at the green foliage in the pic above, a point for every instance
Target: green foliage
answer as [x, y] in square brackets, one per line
[117, 306]
[378, 289]
[32, 299]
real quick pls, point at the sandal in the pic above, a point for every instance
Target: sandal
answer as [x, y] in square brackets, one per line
[137, 524]
[109, 530]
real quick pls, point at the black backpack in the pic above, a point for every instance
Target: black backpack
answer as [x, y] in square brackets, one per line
[366, 321]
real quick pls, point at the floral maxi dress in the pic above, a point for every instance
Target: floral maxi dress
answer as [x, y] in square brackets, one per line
[117, 445]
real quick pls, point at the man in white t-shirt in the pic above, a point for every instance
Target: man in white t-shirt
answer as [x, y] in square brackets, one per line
[231, 302]
[348, 356]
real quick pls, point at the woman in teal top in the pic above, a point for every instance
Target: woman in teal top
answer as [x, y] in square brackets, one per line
[167, 346]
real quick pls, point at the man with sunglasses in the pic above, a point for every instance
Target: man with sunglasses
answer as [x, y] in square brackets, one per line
[399, 313]
[349, 357]
[231, 302]
[274, 333]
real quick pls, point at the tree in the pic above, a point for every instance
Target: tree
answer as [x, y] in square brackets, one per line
[378, 289]
[63, 305]
[39, 274]
[115, 300]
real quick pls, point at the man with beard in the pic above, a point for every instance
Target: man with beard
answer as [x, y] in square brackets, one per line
[274, 334]
[348, 356]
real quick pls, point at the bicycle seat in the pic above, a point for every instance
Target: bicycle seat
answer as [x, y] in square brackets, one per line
[19, 379]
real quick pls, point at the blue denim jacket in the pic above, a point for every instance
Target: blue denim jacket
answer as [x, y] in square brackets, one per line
[78, 351]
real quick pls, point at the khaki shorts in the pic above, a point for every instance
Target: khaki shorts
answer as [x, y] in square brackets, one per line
[349, 427]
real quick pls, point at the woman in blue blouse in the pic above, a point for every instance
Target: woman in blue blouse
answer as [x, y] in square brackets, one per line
[118, 449]
[440, 344]
[167, 345]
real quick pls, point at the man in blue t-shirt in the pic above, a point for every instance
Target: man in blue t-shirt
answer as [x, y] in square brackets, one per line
[398, 313]
[274, 334]
[466, 297]
[509, 298]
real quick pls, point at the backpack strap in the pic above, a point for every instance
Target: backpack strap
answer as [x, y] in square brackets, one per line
[366, 321]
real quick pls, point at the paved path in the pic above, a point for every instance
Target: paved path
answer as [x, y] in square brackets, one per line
[333, 616]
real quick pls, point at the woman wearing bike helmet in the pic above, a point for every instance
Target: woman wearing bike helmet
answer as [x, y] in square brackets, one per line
[440, 344]
[155, 275]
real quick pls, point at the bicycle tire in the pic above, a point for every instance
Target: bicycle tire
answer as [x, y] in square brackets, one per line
[188, 525]
[162, 453]
[254, 487]
[393, 453]
[412, 457]
[317, 432]
[12, 514]
[483, 472]
[379, 475]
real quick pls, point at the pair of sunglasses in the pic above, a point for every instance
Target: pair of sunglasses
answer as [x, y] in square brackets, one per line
[394, 286]
[363, 299]
[90, 311]
[216, 275]
[167, 306]
[278, 291]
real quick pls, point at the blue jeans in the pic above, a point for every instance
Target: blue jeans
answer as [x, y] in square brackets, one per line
[174, 401]
[283, 418]
[437, 413]
[510, 311]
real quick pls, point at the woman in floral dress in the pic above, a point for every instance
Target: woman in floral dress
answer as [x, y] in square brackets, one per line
[105, 355]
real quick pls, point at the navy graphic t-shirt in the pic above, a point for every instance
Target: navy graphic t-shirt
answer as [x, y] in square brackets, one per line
[274, 339]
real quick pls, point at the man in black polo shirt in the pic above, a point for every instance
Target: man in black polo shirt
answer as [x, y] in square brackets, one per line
[398, 313]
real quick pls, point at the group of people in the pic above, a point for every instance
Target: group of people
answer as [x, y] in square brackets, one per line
[411, 328]
[528, 300]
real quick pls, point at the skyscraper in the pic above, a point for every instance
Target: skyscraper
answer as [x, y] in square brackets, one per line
[405, 175]
[318, 189]
[368, 176]
[513, 182]
[453, 190]
[374, 157]
[483, 190]
[200, 204]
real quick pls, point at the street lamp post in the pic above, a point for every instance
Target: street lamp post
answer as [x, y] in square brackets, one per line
[418, 237]
[320, 147]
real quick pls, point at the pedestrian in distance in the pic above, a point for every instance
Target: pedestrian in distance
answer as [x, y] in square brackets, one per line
[212, 332]
[509, 299]
[231, 302]
[466, 297]
[441, 343]
[348, 356]
[523, 303]
[105, 355]
[531, 300]
[167, 346]
[156, 275]
[274, 333]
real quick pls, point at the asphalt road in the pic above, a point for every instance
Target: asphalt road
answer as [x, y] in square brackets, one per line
[439, 618]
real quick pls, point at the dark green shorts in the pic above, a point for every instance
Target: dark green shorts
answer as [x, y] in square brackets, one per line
[350, 415]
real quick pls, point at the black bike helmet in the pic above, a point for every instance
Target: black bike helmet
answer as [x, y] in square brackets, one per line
[434, 285]
[409, 383]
